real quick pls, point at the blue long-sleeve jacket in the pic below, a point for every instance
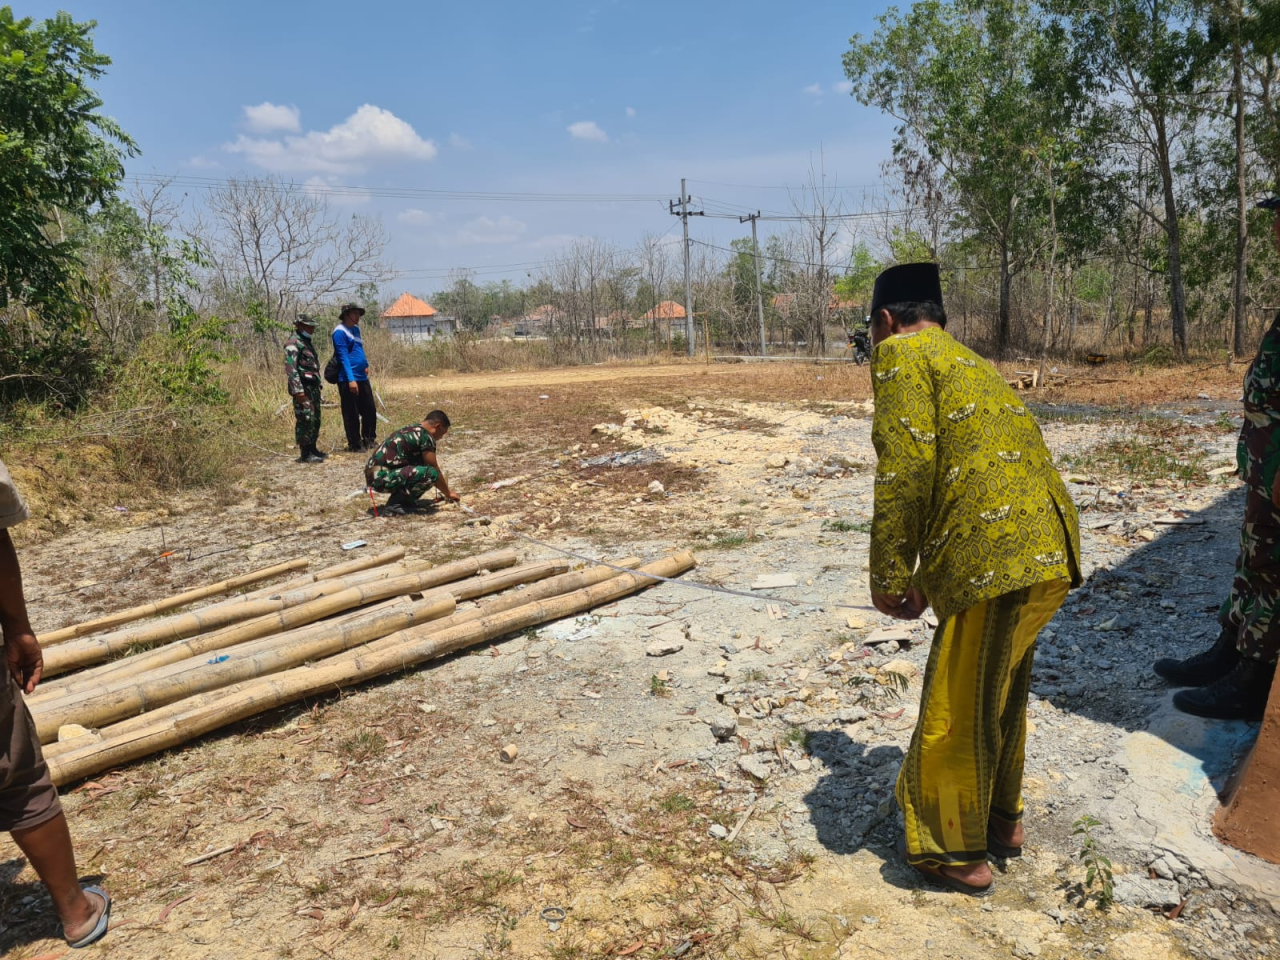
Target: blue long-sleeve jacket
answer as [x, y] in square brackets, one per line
[348, 347]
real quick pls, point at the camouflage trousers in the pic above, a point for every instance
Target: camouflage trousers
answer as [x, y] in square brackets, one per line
[306, 416]
[413, 482]
[1253, 608]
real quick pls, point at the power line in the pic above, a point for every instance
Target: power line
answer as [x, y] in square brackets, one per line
[757, 186]
[767, 256]
[406, 193]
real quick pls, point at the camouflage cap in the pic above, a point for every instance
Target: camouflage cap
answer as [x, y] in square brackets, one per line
[348, 307]
[304, 318]
[1271, 203]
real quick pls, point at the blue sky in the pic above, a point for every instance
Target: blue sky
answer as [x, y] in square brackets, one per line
[598, 97]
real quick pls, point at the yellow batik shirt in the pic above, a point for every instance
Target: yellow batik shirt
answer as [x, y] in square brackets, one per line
[964, 484]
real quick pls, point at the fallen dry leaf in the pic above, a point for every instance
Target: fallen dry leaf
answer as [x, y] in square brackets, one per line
[164, 914]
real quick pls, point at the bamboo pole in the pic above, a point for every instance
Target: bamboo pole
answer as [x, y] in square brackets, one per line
[140, 663]
[75, 701]
[545, 589]
[89, 650]
[238, 703]
[335, 572]
[236, 632]
[169, 603]
[198, 675]
[54, 748]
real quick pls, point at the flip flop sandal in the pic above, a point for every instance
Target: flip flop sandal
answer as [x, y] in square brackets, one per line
[100, 928]
[936, 877]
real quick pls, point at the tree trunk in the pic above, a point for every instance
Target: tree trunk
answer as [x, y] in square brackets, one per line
[1173, 230]
[1053, 265]
[1239, 318]
[1006, 280]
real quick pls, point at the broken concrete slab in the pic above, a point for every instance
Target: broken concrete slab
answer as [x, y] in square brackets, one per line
[773, 581]
[885, 634]
[1140, 891]
[663, 647]
[1168, 799]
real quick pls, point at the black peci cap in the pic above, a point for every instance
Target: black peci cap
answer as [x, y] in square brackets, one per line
[907, 283]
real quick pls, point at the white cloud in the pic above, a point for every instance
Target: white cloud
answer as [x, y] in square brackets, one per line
[844, 86]
[588, 130]
[459, 142]
[370, 135]
[270, 117]
[814, 89]
[336, 193]
[631, 111]
[484, 230]
[202, 163]
[555, 241]
[414, 216]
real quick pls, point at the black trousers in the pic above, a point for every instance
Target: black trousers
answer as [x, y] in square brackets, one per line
[359, 416]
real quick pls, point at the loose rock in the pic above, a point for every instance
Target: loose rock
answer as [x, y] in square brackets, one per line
[754, 765]
[664, 647]
[1143, 892]
[724, 724]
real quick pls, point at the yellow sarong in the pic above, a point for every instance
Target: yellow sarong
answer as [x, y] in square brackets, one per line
[965, 761]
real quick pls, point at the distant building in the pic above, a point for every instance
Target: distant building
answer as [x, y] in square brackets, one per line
[538, 322]
[662, 317]
[412, 320]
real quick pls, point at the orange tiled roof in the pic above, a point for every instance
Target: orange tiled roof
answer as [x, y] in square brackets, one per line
[666, 310]
[544, 312]
[409, 306]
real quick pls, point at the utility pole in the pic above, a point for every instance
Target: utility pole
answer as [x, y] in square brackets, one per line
[755, 246]
[684, 214]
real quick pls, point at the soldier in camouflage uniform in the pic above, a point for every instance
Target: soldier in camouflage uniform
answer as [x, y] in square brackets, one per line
[1232, 680]
[405, 464]
[302, 367]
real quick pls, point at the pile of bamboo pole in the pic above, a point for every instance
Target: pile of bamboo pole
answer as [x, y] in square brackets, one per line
[121, 692]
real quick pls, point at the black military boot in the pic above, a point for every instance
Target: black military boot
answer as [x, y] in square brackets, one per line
[1240, 695]
[397, 505]
[316, 452]
[1203, 668]
[309, 456]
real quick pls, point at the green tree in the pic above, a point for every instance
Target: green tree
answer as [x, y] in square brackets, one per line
[977, 86]
[1155, 59]
[860, 277]
[59, 156]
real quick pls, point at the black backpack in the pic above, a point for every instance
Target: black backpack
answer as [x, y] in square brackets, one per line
[332, 370]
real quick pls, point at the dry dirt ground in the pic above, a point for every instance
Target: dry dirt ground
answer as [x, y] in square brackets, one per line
[730, 799]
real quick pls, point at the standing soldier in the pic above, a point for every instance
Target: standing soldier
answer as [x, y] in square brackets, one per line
[1232, 679]
[302, 367]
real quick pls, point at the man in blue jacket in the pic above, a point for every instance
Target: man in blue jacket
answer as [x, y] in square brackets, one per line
[359, 416]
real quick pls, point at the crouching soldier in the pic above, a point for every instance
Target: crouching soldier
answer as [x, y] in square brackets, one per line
[405, 464]
[302, 367]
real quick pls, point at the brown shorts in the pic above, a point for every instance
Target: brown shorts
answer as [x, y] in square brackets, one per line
[28, 797]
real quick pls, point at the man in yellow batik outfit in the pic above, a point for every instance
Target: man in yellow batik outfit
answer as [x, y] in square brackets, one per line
[971, 517]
